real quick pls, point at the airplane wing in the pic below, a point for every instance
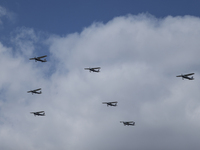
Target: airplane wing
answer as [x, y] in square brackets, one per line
[109, 102]
[40, 112]
[42, 56]
[37, 112]
[96, 68]
[179, 76]
[105, 103]
[185, 75]
[37, 89]
[189, 74]
[92, 68]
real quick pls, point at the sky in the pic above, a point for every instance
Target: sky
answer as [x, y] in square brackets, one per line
[141, 47]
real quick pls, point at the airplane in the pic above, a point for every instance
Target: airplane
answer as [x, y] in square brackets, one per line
[39, 58]
[110, 103]
[131, 123]
[97, 69]
[186, 76]
[39, 113]
[35, 91]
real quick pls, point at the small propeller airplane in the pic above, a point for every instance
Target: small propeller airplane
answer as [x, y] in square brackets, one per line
[39, 113]
[128, 123]
[186, 76]
[35, 91]
[39, 58]
[96, 69]
[110, 103]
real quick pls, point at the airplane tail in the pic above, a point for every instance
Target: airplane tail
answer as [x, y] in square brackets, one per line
[45, 60]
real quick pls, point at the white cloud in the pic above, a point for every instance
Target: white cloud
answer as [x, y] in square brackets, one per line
[140, 57]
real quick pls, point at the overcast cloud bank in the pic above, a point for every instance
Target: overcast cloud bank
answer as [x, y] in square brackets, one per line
[140, 56]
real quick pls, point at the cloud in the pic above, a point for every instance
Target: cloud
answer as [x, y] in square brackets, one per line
[4, 13]
[139, 56]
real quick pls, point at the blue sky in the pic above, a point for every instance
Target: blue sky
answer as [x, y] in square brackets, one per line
[141, 46]
[63, 17]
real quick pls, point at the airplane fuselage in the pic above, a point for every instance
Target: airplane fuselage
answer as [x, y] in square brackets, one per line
[111, 104]
[186, 77]
[128, 123]
[35, 92]
[37, 59]
[42, 113]
[39, 114]
[97, 69]
[94, 70]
